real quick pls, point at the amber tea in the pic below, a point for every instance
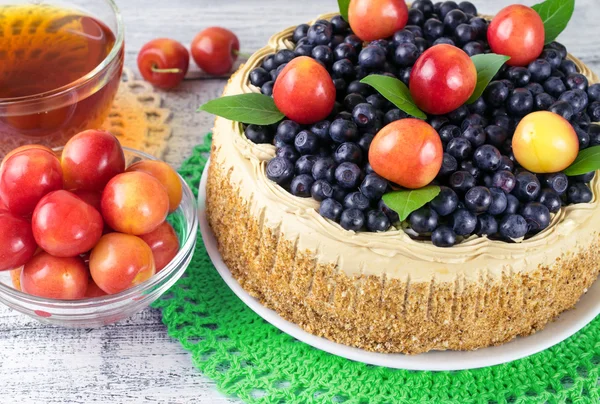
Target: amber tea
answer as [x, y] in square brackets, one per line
[43, 51]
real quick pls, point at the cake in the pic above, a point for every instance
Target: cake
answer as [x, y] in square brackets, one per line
[390, 291]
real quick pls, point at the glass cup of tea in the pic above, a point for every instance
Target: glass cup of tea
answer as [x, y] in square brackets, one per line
[60, 68]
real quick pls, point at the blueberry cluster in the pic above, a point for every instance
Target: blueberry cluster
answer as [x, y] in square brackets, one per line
[483, 189]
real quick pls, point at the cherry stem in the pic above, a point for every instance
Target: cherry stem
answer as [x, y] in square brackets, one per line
[155, 69]
[241, 54]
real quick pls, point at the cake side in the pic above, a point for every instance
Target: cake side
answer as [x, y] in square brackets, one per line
[388, 315]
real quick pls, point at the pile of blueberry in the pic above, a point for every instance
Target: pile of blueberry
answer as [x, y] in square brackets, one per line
[483, 190]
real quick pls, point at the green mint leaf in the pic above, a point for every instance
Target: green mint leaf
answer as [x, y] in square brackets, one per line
[252, 108]
[487, 66]
[395, 92]
[587, 160]
[556, 15]
[344, 4]
[407, 201]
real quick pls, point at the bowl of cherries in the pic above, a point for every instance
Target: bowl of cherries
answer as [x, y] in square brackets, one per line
[91, 233]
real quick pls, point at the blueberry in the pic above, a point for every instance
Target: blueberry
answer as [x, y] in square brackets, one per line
[496, 135]
[323, 54]
[344, 51]
[352, 219]
[513, 227]
[321, 129]
[304, 164]
[582, 136]
[331, 209]
[594, 132]
[269, 63]
[446, 7]
[459, 114]
[433, 29]
[560, 48]
[319, 34]
[499, 202]
[267, 88]
[577, 98]
[423, 220]
[540, 70]
[496, 93]
[280, 143]
[356, 200]
[372, 57]
[460, 148]
[568, 67]
[582, 119]
[373, 186]
[340, 26]
[355, 41]
[506, 164]
[537, 216]
[377, 221]
[562, 108]
[444, 41]
[339, 193]
[348, 175]
[544, 101]
[480, 25]
[287, 130]
[504, 180]
[352, 100]
[453, 19]
[557, 182]
[520, 102]
[348, 152]
[437, 122]
[554, 86]
[446, 202]
[382, 43]
[576, 81]
[487, 158]
[280, 170]
[512, 204]
[378, 101]
[463, 222]
[364, 115]
[550, 199]
[461, 181]
[475, 134]
[527, 187]
[422, 44]
[391, 214]
[443, 236]
[594, 92]
[275, 73]
[449, 165]
[344, 115]
[474, 48]
[553, 57]
[403, 36]
[504, 121]
[470, 168]
[288, 152]
[486, 225]
[465, 33]
[321, 190]
[558, 73]
[304, 50]
[520, 76]
[478, 199]
[300, 32]
[394, 115]
[342, 130]
[404, 75]
[365, 142]
[416, 17]
[259, 76]
[324, 169]
[535, 88]
[594, 111]
[579, 193]
[301, 185]
[449, 132]
[284, 56]
[306, 142]
[343, 69]
[259, 134]
[584, 178]
[416, 30]
[406, 54]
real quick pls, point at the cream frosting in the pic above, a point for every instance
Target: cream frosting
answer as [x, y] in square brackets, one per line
[394, 253]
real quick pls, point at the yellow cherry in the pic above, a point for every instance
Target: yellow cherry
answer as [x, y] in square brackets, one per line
[545, 142]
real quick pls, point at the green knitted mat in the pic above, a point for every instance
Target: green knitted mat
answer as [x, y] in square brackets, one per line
[252, 360]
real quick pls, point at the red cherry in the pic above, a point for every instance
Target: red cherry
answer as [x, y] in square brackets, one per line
[215, 50]
[163, 62]
[17, 244]
[304, 91]
[517, 31]
[377, 19]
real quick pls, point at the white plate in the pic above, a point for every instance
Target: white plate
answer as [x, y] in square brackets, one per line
[566, 325]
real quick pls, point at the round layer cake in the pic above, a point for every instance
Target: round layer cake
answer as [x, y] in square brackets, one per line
[387, 292]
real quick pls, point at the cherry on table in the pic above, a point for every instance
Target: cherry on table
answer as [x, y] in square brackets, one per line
[215, 50]
[163, 62]
[164, 245]
[54, 277]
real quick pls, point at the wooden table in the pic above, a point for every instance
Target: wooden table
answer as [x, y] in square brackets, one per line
[136, 361]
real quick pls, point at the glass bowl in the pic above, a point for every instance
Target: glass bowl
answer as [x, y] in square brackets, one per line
[100, 311]
[52, 117]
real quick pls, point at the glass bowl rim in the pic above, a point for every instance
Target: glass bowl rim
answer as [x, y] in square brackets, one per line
[80, 82]
[130, 293]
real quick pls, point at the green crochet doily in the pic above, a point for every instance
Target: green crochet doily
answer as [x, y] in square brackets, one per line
[252, 360]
